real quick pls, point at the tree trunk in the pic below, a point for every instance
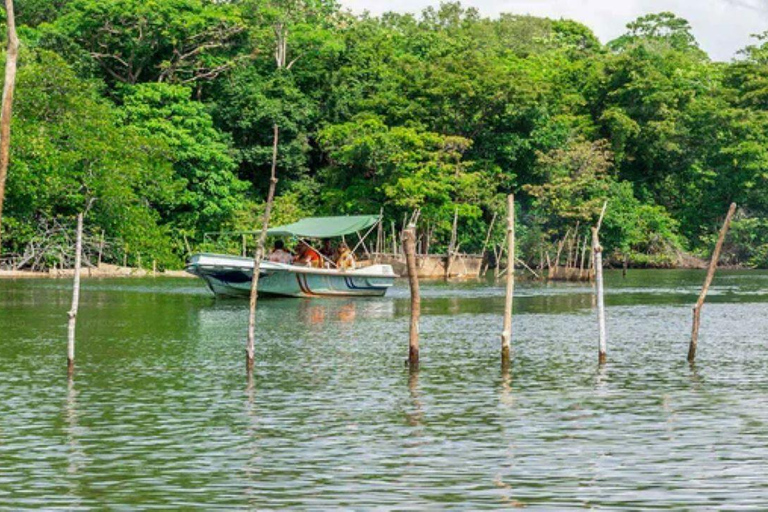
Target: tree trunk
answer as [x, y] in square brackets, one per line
[707, 282]
[75, 298]
[506, 333]
[259, 255]
[7, 103]
[409, 247]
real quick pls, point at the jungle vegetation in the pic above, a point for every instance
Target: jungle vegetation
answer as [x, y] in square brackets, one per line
[158, 116]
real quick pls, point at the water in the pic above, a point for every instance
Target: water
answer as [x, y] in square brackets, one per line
[160, 414]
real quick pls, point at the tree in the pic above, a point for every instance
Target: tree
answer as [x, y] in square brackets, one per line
[133, 41]
[201, 156]
[402, 169]
[71, 148]
[661, 29]
[6, 107]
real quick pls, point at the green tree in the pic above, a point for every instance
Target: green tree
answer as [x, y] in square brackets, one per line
[201, 156]
[402, 169]
[133, 41]
[70, 150]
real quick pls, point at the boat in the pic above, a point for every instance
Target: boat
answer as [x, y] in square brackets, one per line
[230, 276]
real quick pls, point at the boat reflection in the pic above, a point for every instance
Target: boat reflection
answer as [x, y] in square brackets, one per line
[345, 311]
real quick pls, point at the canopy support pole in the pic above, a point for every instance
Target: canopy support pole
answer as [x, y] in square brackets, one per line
[365, 236]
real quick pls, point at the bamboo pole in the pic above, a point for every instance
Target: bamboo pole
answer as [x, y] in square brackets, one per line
[409, 246]
[525, 265]
[394, 239]
[452, 243]
[245, 247]
[101, 247]
[571, 258]
[71, 324]
[583, 256]
[575, 259]
[259, 254]
[380, 232]
[6, 110]
[597, 252]
[488, 234]
[484, 264]
[506, 333]
[707, 283]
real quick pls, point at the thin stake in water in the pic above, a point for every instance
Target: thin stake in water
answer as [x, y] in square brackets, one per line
[707, 282]
[71, 324]
[409, 247]
[597, 258]
[506, 333]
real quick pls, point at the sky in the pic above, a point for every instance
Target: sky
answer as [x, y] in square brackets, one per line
[722, 27]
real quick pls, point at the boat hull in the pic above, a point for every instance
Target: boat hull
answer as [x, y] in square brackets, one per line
[230, 276]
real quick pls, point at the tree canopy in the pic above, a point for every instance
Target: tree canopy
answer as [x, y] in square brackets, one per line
[157, 115]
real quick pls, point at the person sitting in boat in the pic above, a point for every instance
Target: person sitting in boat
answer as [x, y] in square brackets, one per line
[279, 254]
[307, 256]
[327, 250]
[346, 258]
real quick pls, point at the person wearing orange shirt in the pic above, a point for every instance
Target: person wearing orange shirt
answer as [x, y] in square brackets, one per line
[307, 256]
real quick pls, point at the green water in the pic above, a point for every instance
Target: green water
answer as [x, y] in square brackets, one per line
[160, 413]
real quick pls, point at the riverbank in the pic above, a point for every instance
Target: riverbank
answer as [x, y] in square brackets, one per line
[103, 270]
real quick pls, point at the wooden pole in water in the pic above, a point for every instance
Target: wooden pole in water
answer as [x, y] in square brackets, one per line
[506, 333]
[597, 252]
[409, 246]
[259, 254]
[75, 298]
[707, 283]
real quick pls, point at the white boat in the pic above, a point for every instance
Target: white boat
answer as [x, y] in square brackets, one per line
[231, 276]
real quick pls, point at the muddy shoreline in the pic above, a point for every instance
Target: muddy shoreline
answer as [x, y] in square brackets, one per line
[104, 271]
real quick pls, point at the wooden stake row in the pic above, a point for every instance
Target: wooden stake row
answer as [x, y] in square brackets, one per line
[409, 247]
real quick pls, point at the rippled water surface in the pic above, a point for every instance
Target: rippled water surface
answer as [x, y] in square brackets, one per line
[160, 413]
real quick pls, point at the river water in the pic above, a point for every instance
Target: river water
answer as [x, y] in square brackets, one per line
[160, 413]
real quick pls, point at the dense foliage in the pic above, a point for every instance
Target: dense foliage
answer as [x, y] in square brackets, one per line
[156, 117]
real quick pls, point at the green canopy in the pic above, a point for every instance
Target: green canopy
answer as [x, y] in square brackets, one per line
[325, 227]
